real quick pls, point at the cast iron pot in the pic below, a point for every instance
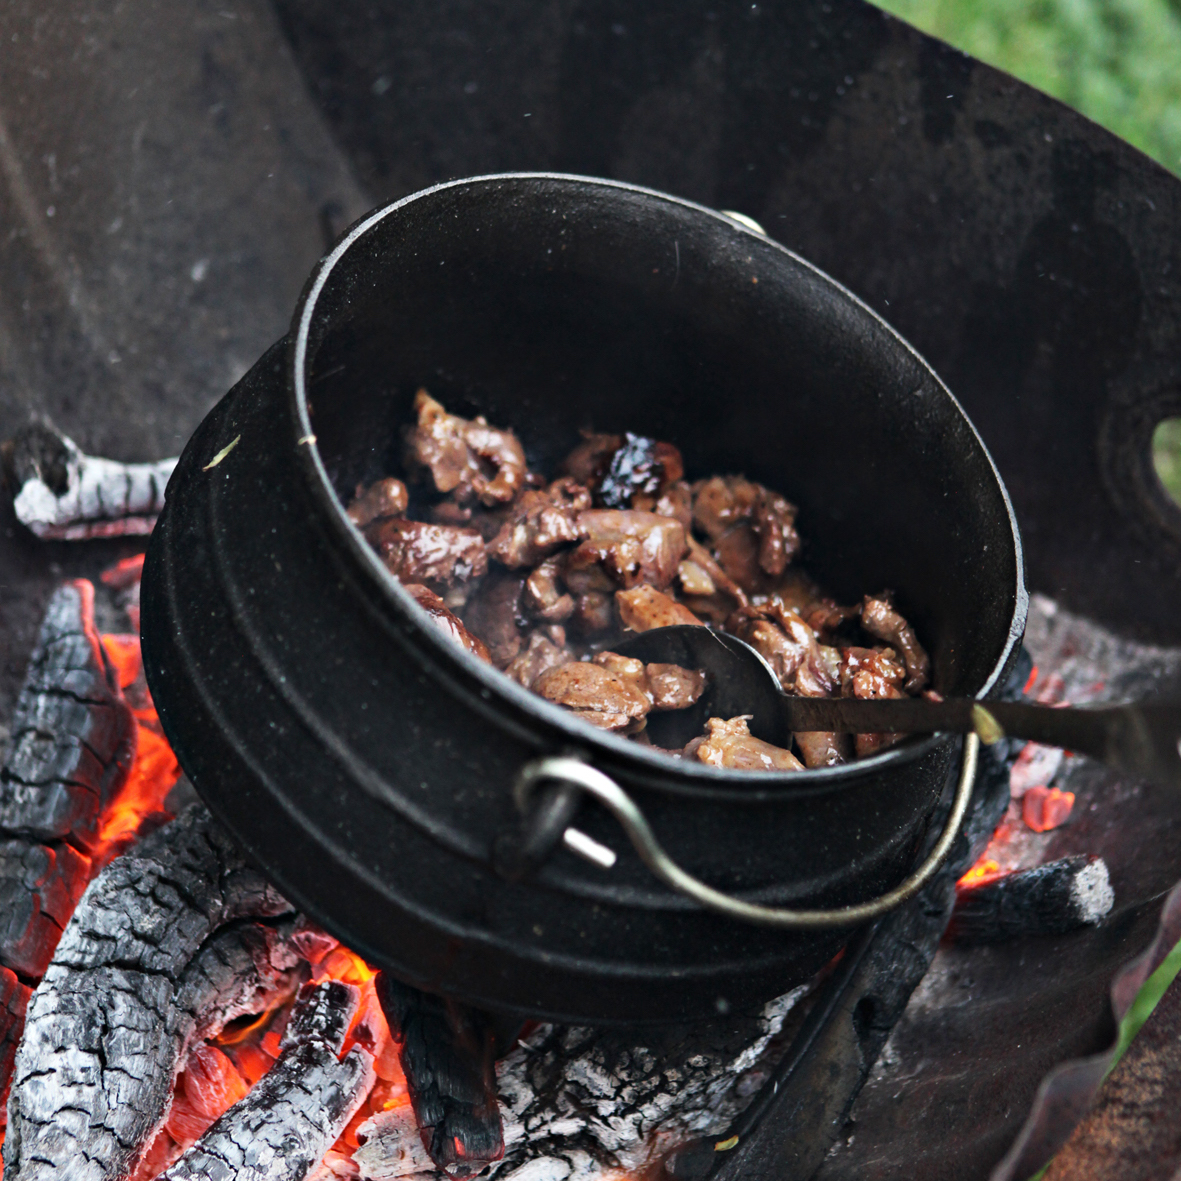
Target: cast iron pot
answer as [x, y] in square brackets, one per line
[368, 765]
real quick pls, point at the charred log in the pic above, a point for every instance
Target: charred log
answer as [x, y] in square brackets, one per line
[281, 1130]
[14, 999]
[73, 735]
[1051, 899]
[62, 494]
[39, 887]
[139, 974]
[447, 1056]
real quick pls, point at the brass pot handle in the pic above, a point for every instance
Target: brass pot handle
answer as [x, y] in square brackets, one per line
[569, 770]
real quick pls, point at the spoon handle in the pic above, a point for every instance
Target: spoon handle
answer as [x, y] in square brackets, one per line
[1142, 738]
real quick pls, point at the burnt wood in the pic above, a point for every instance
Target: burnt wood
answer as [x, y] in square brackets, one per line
[73, 736]
[446, 1054]
[14, 1000]
[140, 972]
[39, 887]
[1050, 899]
[297, 1110]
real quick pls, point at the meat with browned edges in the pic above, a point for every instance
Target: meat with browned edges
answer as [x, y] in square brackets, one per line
[541, 577]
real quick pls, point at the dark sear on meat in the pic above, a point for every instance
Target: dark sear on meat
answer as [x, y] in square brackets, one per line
[541, 578]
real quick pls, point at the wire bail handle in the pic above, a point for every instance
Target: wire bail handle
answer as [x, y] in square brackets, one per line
[574, 773]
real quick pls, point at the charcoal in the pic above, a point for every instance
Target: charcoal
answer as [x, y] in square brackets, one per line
[39, 887]
[14, 999]
[447, 1055]
[322, 1014]
[73, 735]
[298, 1109]
[140, 973]
[1050, 899]
[61, 494]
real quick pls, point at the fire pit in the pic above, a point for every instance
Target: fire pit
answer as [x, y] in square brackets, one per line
[953, 216]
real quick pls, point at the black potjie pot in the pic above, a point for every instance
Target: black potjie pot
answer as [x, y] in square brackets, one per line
[367, 765]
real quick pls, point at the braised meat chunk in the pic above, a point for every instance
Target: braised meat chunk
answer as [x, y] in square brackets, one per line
[439, 556]
[631, 547]
[731, 744]
[544, 651]
[468, 459]
[542, 579]
[445, 622]
[640, 467]
[540, 523]
[383, 498]
[879, 618]
[617, 692]
[643, 608]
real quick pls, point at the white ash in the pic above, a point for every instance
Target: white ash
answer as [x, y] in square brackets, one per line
[580, 1104]
[65, 495]
[1091, 892]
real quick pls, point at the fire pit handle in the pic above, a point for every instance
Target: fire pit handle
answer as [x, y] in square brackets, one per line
[572, 771]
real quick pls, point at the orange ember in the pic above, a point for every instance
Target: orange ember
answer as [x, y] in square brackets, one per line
[982, 871]
[1044, 808]
[155, 770]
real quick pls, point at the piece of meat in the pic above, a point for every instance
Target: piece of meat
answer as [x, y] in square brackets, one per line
[752, 528]
[729, 743]
[820, 748]
[737, 553]
[674, 501]
[695, 579]
[589, 461]
[644, 607]
[467, 458]
[383, 498]
[445, 622]
[639, 467]
[789, 645]
[540, 523]
[722, 502]
[543, 595]
[803, 667]
[593, 612]
[632, 547]
[674, 687]
[700, 556]
[610, 698]
[879, 618]
[440, 556]
[540, 654]
[774, 525]
[872, 673]
[486, 521]
[495, 615]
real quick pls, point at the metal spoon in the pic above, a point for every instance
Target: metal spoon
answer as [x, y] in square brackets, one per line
[1143, 738]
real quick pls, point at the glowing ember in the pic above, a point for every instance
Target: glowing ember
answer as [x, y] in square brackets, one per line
[1045, 808]
[984, 869]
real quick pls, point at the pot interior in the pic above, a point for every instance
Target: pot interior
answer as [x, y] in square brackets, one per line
[550, 304]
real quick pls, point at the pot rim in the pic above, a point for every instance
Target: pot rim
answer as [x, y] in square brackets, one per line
[645, 767]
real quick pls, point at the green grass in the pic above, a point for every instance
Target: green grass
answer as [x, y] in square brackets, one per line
[1166, 455]
[1117, 61]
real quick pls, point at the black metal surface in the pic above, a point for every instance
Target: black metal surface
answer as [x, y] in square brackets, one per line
[290, 675]
[941, 212]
